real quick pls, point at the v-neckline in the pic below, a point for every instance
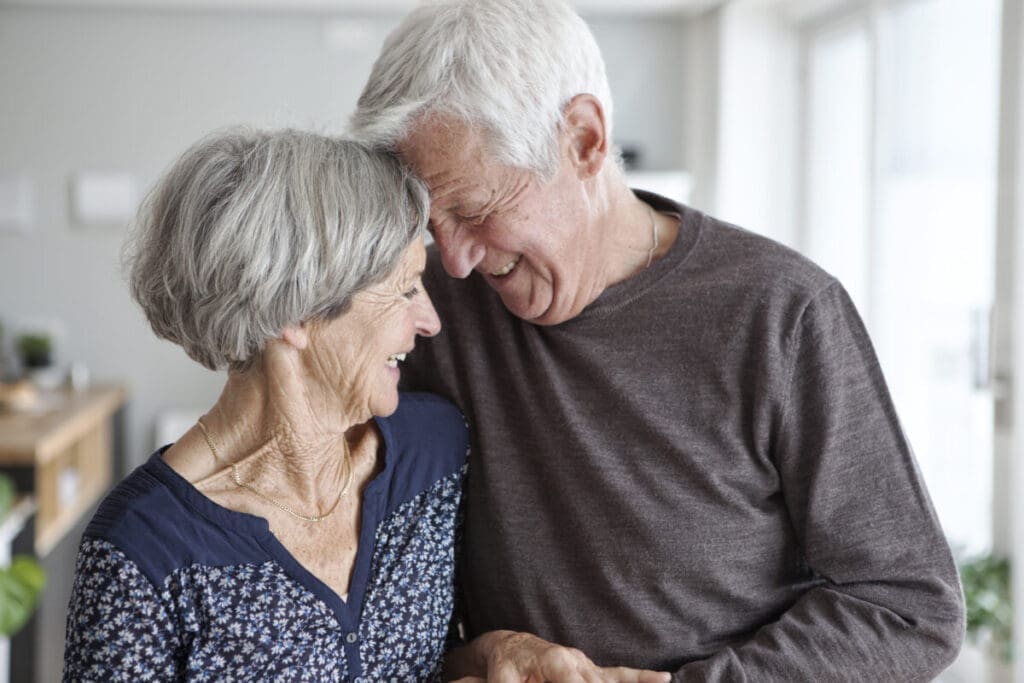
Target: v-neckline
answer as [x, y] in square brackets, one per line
[346, 611]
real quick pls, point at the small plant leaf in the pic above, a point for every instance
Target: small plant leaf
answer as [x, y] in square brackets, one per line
[16, 603]
[986, 585]
[7, 493]
[29, 572]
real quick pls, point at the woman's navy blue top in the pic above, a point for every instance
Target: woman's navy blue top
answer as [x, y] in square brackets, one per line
[171, 586]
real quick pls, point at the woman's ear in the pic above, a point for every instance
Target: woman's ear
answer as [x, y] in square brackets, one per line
[583, 123]
[295, 336]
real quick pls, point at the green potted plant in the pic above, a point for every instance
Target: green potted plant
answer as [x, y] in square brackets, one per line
[986, 583]
[35, 350]
[22, 581]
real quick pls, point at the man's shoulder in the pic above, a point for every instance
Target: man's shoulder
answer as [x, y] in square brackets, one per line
[758, 260]
[713, 252]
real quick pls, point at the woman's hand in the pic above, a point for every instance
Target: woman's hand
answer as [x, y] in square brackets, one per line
[514, 657]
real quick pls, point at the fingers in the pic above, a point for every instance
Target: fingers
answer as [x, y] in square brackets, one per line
[517, 657]
[505, 672]
[568, 665]
[621, 674]
[524, 658]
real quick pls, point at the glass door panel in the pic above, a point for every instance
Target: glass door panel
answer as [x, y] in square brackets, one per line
[901, 124]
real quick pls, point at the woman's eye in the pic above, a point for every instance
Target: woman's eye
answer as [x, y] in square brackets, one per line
[411, 293]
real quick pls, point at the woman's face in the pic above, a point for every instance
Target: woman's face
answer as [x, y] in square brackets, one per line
[359, 353]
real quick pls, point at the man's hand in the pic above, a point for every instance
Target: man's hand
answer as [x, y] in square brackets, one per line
[514, 657]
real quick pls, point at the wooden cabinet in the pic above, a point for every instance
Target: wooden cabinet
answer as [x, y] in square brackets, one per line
[68, 446]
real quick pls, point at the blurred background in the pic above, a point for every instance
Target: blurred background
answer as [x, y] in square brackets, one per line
[883, 138]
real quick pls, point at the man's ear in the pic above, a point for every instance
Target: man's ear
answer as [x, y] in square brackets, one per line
[583, 124]
[296, 336]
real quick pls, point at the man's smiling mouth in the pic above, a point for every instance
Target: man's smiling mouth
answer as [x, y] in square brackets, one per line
[507, 268]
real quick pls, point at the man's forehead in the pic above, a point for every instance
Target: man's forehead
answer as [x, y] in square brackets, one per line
[453, 165]
[424, 138]
[438, 140]
[439, 128]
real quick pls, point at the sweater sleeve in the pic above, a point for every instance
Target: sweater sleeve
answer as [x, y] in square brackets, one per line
[888, 604]
[118, 628]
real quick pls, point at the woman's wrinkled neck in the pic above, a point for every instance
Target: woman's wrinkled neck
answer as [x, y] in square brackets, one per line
[279, 421]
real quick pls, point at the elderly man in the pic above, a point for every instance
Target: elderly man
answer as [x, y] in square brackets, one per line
[685, 456]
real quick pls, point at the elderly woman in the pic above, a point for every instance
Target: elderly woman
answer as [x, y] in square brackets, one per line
[304, 528]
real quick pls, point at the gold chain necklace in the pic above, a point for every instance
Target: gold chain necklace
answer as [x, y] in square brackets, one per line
[282, 506]
[654, 237]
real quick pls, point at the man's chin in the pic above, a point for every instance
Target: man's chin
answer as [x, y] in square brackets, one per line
[536, 307]
[524, 308]
[537, 314]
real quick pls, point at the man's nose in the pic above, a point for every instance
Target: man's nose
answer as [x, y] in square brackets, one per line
[460, 250]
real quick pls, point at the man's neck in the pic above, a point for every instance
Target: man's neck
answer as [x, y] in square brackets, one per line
[637, 236]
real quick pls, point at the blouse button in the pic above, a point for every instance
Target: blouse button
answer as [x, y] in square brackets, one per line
[351, 638]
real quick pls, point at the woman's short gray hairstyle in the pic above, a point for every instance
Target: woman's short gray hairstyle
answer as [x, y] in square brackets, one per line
[251, 231]
[509, 66]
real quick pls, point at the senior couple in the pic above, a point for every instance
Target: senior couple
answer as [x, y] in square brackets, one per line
[669, 439]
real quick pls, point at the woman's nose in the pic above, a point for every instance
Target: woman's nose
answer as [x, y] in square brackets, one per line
[428, 324]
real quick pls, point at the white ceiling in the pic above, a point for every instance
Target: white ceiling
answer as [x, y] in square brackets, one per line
[359, 6]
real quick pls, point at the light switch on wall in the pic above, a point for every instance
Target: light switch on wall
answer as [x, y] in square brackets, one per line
[103, 198]
[16, 203]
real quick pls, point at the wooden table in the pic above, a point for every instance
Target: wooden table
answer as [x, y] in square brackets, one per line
[69, 446]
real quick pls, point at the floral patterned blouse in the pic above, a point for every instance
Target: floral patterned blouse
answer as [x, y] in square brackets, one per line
[171, 586]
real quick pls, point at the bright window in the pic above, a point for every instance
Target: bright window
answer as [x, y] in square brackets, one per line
[901, 114]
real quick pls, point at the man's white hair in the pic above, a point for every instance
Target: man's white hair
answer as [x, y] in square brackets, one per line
[507, 66]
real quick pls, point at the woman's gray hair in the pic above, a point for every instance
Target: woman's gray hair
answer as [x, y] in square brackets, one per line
[251, 231]
[509, 66]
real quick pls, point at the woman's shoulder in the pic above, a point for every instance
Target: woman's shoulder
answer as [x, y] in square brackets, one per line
[428, 423]
[150, 520]
[135, 518]
[142, 495]
[425, 404]
[427, 440]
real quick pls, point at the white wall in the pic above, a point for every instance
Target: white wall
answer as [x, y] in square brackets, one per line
[702, 106]
[741, 94]
[757, 150]
[128, 91]
[1009, 333]
[644, 58]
